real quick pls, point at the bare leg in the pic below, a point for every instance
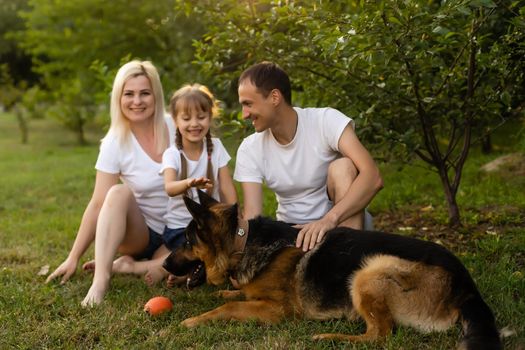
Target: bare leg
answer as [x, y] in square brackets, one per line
[341, 173]
[152, 269]
[155, 272]
[120, 226]
[175, 280]
[123, 264]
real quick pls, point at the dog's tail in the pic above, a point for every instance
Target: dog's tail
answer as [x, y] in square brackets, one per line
[479, 325]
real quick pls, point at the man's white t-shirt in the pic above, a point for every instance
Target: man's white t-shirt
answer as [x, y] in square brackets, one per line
[296, 172]
[139, 172]
[177, 216]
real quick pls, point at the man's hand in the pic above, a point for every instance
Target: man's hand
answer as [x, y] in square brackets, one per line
[313, 232]
[66, 269]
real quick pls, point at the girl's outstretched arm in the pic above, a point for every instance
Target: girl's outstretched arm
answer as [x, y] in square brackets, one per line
[175, 187]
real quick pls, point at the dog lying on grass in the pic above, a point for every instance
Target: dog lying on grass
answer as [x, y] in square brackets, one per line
[383, 278]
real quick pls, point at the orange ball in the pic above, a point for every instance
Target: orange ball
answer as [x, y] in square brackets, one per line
[158, 305]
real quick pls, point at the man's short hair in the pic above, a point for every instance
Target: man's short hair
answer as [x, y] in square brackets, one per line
[266, 76]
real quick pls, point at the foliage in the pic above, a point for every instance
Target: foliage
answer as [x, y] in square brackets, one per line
[73, 41]
[11, 54]
[419, 77]
[15, 67]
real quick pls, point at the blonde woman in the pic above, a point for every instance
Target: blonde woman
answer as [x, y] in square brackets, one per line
[125, 213]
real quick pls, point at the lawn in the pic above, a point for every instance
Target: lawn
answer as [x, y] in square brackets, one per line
[45, 185]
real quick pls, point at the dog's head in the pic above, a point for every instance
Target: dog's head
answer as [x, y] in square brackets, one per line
[209, 237]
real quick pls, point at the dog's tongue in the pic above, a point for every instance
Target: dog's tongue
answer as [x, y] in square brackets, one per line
[196, 277]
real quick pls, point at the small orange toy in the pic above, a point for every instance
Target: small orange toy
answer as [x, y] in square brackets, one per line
[158, 305]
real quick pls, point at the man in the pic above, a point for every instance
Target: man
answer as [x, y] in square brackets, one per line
[322, 175]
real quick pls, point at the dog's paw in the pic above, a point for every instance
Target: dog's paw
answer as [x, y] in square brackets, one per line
[190, 322]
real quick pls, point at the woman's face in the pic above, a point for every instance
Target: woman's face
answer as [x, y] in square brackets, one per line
[137, 101]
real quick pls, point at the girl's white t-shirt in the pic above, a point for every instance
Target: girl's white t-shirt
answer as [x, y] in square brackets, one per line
[177, 216]
[139, 172]
[296, 172]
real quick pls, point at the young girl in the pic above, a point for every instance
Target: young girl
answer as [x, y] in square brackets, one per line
[196, 161]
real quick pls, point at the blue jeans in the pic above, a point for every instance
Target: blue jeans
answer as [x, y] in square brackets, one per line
[173, 237]
[155, 241]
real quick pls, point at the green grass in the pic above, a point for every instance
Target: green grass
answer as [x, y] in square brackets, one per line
[46, 184]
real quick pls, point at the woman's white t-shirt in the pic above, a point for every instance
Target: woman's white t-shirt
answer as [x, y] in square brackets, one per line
[177, 216]
[296, 172]
[139, 172]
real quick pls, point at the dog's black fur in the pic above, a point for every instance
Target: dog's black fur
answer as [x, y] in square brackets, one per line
[323, 281]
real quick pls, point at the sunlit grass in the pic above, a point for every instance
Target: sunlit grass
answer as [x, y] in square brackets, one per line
[46, 184]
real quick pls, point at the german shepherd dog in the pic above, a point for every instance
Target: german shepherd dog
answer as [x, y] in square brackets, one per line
[385, 279]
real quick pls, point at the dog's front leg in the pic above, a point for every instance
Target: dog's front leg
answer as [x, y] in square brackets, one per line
[229, 294]
[259, 310]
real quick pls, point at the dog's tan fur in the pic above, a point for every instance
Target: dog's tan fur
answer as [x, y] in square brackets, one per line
[383, 289]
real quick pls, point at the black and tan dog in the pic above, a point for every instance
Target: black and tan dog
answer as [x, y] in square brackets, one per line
[385, 279]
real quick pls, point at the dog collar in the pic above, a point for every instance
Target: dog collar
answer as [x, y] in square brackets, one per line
[241, 235]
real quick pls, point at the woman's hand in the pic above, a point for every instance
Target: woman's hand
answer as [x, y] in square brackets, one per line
[66, 270]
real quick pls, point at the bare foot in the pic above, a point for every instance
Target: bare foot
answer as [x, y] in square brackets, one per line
[124, 264]
[95, 295]
[89, 266]
[155, 275]
[176, 280]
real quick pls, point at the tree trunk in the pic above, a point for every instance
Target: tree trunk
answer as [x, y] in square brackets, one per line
[454, 218]
[80, 135]
[486, 144]
[22, 125]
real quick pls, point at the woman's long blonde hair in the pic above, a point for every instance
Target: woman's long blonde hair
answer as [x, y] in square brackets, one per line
[119, 123]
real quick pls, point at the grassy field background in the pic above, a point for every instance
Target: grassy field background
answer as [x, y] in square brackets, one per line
[45, 185]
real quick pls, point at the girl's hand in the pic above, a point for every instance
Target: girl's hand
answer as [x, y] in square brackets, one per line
[201, 183]
[66, 269]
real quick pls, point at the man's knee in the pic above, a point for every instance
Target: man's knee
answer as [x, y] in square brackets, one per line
[341, 173]
[342, 168]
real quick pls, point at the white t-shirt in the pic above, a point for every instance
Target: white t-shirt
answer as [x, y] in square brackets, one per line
[140, 173]
[296, 172]
[177, 216]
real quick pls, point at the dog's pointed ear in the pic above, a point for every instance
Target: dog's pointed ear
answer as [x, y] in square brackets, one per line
[206, 199]
[233, 211]
[233, 215]
[197, 211]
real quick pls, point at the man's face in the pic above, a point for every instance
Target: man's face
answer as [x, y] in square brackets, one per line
[259, 109]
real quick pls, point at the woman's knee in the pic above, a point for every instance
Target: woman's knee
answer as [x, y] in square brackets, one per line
[118, 195]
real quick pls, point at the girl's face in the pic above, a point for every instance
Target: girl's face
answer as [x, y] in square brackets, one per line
[137, 101]
[193, 124]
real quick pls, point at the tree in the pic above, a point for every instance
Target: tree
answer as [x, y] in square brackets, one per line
[421, 77]
[15, 68]
[73, 41]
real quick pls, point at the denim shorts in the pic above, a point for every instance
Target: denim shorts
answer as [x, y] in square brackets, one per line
[155, 241]
[173, 237]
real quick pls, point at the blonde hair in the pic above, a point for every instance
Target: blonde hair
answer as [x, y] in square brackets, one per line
[184, 100]
[119, 123]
